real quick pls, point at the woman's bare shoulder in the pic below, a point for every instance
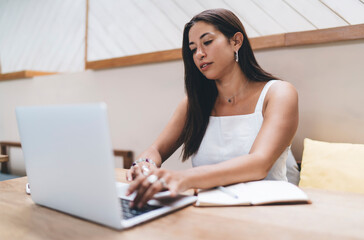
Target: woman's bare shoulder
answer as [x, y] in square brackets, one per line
[282, 90]
[282, 94]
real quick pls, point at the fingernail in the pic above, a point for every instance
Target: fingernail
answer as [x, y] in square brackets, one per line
[129, 179]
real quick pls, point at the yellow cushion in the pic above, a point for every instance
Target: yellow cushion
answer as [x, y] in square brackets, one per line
[333, 166]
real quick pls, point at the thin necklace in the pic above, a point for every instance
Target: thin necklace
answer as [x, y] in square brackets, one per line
[230, 99]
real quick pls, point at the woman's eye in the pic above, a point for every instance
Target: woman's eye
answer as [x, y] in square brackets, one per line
[193, 50]
[208, 42]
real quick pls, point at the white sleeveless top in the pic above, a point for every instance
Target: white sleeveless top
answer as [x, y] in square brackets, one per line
[228, 137]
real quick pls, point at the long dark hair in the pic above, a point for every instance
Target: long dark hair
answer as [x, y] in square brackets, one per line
[202, 92]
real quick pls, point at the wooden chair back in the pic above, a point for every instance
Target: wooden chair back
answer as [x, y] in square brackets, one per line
[127, 155]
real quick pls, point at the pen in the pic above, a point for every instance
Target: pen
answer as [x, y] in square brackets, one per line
[228, 192]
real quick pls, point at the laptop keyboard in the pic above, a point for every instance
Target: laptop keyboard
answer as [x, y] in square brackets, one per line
[129, 212]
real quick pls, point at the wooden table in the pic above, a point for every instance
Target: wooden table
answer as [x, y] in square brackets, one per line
[332, 215]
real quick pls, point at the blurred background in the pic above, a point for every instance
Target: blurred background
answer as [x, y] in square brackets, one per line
[126, 53]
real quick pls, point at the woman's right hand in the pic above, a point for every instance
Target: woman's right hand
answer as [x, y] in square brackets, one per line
[145, 186]
[143, 166]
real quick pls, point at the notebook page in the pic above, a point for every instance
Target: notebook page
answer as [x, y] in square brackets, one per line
[263, 192]
[215, 197]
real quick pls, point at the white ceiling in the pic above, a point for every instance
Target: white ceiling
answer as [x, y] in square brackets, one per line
[42, 35]
[127, 27]
[50, 35]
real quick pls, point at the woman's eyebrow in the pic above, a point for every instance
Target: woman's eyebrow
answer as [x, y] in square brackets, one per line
[204, 34]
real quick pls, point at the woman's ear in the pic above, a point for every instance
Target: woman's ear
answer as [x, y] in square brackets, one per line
[237, 40]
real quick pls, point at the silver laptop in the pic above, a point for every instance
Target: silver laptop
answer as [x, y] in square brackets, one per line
[70, 166]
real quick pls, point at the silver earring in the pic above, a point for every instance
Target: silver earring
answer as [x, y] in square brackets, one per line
[236, 56]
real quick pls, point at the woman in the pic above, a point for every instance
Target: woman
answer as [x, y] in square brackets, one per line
[235, 123]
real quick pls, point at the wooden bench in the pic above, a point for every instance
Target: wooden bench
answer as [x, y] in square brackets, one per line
[4, 160]
[127, 155]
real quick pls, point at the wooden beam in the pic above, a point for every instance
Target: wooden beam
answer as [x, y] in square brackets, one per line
[352, 32]
[272, 41]
[154, 57]
[23, 74]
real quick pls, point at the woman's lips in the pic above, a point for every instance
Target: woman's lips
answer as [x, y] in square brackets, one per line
[205, 66]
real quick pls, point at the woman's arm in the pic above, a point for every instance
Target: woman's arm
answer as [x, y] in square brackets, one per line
[280, 123]
[166, 143]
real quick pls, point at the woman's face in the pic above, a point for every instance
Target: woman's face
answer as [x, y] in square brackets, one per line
[213, 53]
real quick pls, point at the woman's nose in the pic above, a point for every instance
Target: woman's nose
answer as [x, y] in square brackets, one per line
[200, 54]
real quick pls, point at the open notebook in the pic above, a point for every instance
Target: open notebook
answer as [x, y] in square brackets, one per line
[253, 193]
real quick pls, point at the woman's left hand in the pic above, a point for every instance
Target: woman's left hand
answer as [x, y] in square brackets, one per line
[158, 179]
